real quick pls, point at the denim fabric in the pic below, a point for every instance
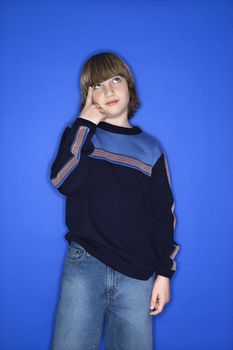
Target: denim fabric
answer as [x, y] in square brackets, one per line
[95, 297]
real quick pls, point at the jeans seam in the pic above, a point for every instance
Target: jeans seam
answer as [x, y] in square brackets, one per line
[114, 333]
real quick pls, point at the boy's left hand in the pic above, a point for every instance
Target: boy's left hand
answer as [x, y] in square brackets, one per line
[160, 294]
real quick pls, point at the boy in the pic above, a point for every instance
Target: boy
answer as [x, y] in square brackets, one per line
[120, 215]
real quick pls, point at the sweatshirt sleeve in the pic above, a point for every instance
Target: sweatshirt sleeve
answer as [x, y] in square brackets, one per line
[163, 218]
[69, 169]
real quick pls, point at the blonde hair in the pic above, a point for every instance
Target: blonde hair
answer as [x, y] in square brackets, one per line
[103, 66]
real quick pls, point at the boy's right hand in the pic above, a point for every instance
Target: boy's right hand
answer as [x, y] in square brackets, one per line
[93, 112]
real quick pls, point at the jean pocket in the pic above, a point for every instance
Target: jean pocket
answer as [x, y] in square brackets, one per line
[76, 252]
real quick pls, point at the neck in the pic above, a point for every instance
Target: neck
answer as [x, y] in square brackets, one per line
[118, 121]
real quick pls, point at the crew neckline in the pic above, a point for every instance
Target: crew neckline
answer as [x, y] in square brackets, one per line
[119, 129]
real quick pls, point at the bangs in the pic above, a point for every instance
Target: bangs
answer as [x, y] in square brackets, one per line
[100, 68]
[103, 69]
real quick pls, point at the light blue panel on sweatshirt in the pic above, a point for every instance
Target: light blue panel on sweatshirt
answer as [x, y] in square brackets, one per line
[141, 146]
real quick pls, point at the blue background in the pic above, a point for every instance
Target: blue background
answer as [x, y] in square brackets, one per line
[181, 54]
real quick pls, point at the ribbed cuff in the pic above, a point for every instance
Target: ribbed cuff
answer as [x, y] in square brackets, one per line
[165, 272]
[86, 122]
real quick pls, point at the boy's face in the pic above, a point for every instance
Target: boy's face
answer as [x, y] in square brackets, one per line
[115, 88]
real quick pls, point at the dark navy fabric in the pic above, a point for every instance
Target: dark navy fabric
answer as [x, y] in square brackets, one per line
[119, 202]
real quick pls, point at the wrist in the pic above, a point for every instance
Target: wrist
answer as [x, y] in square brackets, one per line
[163, 278]
[93, 120]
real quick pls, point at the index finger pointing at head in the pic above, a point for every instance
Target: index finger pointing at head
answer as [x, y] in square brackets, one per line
[89, 96]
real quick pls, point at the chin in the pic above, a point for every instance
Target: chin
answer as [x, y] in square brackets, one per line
[113, 115]
[115, 112]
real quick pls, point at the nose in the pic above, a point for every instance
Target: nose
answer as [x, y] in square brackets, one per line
[109, 90]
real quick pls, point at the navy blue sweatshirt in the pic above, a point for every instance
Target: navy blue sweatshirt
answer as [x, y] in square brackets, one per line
[119, 202]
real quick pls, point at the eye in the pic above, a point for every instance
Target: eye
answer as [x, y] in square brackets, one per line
[98, 85]
[95, 85]
[117, 78]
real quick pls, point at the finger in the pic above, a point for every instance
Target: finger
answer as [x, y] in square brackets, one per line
[154, 303]
[100, 109]
[89, 97]
[157, 311]
[158, 305]
[158, 308]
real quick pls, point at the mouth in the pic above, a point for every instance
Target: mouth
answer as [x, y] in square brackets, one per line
[112, 103]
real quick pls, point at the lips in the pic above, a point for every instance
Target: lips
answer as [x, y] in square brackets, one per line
[112, 102]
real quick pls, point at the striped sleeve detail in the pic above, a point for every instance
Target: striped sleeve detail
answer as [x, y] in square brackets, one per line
[169, 180]
[72, 163]
[176, 246]
[173, 254]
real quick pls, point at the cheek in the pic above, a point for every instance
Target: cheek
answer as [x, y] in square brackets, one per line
[125, 94]
[96, 97]
[124, 90]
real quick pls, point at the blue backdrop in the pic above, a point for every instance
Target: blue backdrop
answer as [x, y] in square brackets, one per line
[181, 53]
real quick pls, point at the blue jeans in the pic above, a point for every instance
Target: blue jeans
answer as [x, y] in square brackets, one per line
[94, 297]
